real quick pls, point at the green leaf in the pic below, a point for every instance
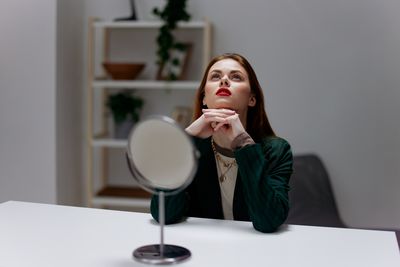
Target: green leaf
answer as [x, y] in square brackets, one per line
[175, 62]
[173, 12]
[124, 104]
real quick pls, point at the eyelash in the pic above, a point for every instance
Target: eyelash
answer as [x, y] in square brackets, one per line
[236, 76]
[233, 77]
[214, 76]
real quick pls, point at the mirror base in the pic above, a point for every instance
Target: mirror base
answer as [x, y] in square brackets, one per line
[151, 254]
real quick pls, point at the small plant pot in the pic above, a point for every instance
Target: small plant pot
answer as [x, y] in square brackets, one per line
[122, 129]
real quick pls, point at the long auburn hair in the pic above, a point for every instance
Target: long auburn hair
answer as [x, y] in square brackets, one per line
[257, 123]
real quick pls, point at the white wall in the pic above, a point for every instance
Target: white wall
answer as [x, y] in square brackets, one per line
[27, 107]
[40, 101]
[69, 99]
[330, 75]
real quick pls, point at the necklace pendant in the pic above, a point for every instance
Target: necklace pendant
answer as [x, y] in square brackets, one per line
[222, 178]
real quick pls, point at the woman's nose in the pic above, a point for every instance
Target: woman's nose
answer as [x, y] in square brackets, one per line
[224, 81]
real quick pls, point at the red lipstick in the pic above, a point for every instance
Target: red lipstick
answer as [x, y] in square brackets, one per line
[223, 92]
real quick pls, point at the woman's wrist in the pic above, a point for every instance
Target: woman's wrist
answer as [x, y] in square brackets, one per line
[189, 131]
[243, 139]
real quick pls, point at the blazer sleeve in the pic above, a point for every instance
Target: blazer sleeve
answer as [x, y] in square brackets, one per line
[175, 207]
[265, 169]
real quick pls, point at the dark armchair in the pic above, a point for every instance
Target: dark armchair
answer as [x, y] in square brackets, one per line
[311, 198]
[312, 201]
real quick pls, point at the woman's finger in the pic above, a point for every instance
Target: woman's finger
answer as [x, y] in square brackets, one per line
[230, 121]
[214, 119]
[219, 111]
[233, 118]
[216, 114]
[219, 125]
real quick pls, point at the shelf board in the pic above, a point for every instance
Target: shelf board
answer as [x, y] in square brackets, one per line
[122, 191]
[143, 84]
[109, 142]
[146, 24]
[122, 196]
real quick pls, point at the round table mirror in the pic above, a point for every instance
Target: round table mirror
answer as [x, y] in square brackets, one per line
[163, 160]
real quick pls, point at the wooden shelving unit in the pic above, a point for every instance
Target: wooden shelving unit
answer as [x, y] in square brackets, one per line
[109, 195]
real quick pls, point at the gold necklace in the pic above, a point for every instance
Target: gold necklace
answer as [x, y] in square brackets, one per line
[227, 165]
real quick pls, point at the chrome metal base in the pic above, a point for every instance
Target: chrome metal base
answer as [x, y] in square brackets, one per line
[151, 254]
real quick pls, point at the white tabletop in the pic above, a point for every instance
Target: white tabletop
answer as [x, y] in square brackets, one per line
[42, 235]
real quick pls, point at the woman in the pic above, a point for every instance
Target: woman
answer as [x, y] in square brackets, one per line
[244, 169]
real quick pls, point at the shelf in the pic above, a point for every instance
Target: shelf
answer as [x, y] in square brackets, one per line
[109, 142]
[127, 192]
[143, 84]
[146, 24]
[122, 196]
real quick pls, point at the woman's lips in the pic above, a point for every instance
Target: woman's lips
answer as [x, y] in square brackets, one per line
[223, 92]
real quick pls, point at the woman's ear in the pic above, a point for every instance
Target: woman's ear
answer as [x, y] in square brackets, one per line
[252, 101]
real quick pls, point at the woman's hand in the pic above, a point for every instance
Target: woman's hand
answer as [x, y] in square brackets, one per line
[205, 125]
[230, 128]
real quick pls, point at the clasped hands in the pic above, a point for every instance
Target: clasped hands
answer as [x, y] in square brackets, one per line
[217, 121]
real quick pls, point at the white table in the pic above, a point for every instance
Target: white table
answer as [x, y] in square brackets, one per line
[42, 235]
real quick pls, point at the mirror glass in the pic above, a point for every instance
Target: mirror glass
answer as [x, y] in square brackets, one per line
[161, 154]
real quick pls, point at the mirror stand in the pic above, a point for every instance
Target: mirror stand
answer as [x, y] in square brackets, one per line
[160, 141]
[161, 253]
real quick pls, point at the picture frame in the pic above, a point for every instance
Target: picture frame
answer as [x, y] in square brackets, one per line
[181, 70]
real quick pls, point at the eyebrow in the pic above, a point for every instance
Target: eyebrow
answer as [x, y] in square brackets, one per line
[233, 71]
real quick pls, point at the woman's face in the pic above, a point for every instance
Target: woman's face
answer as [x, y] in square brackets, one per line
[228, 87]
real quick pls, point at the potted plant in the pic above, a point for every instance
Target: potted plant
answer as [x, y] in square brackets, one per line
[125, 108]
[173, 12]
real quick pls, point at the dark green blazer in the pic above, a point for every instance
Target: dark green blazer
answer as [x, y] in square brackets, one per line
[261, 191]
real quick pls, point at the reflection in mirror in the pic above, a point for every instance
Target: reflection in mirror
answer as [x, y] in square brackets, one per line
[162, 158]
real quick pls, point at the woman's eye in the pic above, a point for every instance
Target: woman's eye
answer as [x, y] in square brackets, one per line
[236, 77]
[215, 76]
